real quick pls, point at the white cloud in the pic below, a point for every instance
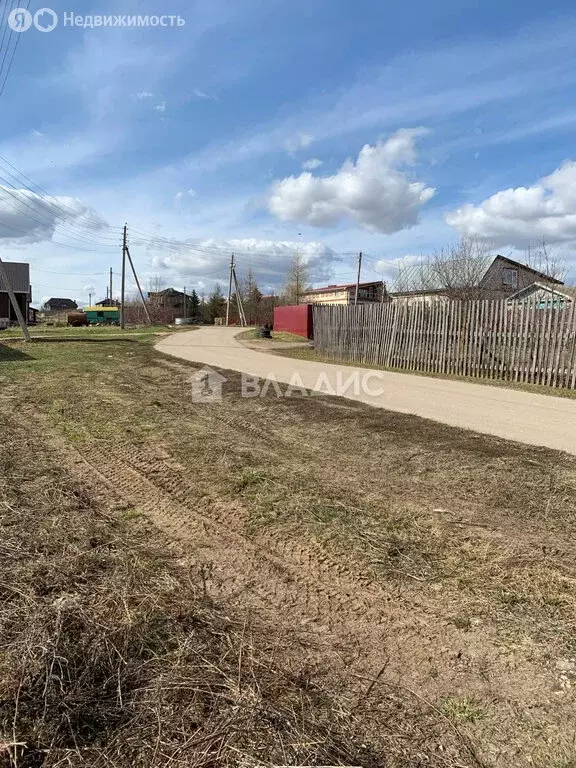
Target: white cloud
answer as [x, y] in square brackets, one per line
[312, 164]
[208, 260]
[373, 192]
[161, 107]
[299, 141]
[420, 87]
[546, 210]
[26, 217]
[202, 95]
[181, 197]
[144, 95]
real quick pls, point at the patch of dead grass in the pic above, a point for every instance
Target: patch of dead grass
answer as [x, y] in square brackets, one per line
[473, 536]
[113, 653]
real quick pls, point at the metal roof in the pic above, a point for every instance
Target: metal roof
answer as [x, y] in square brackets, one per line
[331, 288]
[430, 275]
[566, 291]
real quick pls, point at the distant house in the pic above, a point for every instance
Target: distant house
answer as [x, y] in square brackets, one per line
[18, 274]
[169, 298]
[59, 305]
[368, 293]
[485, 278]
[505, 277]
[544, 296]
[107, 303]
[420, 297]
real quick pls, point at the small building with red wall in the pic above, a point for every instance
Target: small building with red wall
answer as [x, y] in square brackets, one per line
[295, 319]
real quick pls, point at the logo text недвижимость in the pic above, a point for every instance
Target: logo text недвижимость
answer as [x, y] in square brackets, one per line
[45, 20]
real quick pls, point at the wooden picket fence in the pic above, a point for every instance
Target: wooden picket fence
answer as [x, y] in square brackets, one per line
[531, 342]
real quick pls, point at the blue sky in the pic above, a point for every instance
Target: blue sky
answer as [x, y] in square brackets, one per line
[266, 127]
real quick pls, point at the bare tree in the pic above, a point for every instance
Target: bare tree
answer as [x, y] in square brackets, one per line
[156, 283]
[456, 270]
[297, 280]
[251, 298]
[543, 258]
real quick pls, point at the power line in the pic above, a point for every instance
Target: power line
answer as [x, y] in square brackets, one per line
[50, 226]
[183, 246]
[61, 209]
[50, 212]
[6, 29]
[39, 206]
[18, 36]
[46, 224]
[53, 285]
[71, 274]
[53, 242]
[60, 206]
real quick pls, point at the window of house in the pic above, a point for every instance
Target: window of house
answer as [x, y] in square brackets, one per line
[510, 278]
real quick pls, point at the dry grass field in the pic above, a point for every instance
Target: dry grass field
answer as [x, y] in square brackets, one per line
[271, 581]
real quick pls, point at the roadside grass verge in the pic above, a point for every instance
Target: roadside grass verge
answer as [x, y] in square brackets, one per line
[43, 332]
[308, 353]
[253, 335]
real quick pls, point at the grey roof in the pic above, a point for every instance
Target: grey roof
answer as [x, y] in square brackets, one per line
[428, 276]
[18, 276]
[56, 303]
[566, 291]
[519, 265]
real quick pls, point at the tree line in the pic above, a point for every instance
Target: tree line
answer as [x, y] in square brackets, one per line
[258, 308]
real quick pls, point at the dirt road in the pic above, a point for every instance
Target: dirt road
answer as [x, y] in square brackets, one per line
[528, 418]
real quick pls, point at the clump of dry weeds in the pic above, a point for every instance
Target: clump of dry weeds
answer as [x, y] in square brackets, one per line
[114, 655]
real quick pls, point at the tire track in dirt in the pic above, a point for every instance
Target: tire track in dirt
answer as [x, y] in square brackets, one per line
[291, 583]
[285, 576]
[357, 626]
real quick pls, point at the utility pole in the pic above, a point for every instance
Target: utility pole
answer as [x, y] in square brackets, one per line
[127, 250]
[110, 294]
[13, 301]
[358, 278]
[241, 314]
[89, 299]
[123, 291]
[230, 291]
[383, 292]
[185, 304]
